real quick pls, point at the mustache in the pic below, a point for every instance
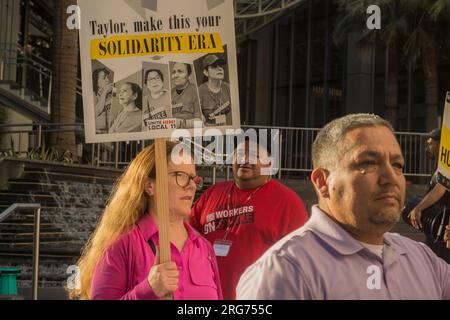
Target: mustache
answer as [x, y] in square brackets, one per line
[388, 193]
[245, 165]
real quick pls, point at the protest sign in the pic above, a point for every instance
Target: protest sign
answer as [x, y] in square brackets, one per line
[443, 176]
[150, 67]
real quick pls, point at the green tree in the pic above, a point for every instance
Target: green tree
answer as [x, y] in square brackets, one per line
[410, 30]
[427, 19]
[352, 14]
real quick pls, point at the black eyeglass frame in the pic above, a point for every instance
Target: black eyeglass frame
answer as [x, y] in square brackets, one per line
[198, 186]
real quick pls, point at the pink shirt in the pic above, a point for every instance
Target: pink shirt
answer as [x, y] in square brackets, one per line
[123, 270]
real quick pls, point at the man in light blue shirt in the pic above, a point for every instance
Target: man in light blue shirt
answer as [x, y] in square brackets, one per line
[345, 250]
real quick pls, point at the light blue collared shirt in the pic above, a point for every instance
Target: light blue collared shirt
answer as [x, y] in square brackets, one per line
[322, 261]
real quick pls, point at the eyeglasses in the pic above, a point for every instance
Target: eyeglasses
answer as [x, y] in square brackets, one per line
[157, 78]
[183, 179]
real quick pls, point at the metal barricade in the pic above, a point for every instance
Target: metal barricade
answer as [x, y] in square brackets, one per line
[295, 147]
[36, 238]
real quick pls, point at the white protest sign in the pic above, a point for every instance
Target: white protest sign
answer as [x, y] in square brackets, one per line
[152, 66]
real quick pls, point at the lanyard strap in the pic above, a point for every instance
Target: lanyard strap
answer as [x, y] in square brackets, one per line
[241, 205]
[152, 246]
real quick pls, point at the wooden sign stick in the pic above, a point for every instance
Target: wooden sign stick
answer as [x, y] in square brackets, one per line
[162, 202]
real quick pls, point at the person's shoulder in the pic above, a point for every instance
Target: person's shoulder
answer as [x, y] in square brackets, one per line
[191, 87]
[278, 185]
[217, 188]
[220, 186]
[121, 113]
[283, 190]
[402, 241]
[136, 112]
[203, 88]
[407, 244]
[298, 247]
[203, 241]
[200, 238]
[414, 249]
[124, 242]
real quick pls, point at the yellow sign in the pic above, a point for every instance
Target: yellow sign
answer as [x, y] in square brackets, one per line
[444, 151]
[155, 44]
[136, 55]
[444, 148]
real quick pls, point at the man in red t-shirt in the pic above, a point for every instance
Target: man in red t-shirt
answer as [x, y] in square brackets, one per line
[244, 217]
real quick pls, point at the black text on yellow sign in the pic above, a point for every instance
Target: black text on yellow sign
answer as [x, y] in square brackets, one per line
[444, 155]
[156, 44]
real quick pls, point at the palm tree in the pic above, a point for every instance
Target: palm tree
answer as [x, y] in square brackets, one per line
[65, 64]
[395, 26]
[428, 17]
[352, 14]
[410, 28]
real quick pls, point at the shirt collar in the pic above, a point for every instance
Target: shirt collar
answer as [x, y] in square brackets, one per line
[148, 227]
[391, 243]
[338, 238]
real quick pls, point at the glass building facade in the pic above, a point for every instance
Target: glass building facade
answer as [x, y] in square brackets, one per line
[26, 33]
[292, 73]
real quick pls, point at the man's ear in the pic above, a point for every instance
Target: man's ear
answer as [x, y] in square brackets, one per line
[205, 72]
[319, 178]
[150, 187]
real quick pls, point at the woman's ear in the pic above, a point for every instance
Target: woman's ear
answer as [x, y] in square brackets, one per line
[150, 187]
[319, 178]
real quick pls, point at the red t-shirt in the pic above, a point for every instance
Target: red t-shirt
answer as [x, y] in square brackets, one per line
[255, 219]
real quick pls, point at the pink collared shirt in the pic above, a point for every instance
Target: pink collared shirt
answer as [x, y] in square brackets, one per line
[122, 272]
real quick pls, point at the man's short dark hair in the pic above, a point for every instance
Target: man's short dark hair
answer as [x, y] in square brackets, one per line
[329, 144]
[188, 67]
